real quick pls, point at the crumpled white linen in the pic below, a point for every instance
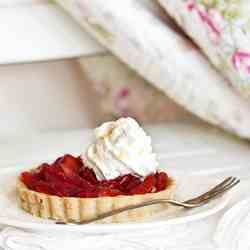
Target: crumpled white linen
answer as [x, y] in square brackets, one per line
[18, 239]
[233, 231]
[171, 238]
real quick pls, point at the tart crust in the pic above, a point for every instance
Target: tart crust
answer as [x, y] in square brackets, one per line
[66, 209]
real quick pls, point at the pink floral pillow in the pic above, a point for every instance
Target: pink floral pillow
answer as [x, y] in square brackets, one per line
[119, 91]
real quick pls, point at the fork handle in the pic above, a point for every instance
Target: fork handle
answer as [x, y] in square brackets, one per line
[131, 207]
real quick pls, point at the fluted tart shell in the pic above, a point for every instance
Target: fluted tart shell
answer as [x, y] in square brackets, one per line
[67, 209]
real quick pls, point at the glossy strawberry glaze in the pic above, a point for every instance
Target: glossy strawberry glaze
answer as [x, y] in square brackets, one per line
[69, 177]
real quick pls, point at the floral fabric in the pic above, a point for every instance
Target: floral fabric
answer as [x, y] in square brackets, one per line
[222, 29]
[136, 33]
[121, 92]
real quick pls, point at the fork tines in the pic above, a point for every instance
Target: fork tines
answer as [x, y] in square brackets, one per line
[222, 187]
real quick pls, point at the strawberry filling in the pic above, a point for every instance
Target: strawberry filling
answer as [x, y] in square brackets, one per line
[69, 177]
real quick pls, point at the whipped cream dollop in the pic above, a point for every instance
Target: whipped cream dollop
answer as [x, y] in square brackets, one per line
[121, 147]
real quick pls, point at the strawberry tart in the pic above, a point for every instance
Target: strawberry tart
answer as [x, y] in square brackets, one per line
[117, 169]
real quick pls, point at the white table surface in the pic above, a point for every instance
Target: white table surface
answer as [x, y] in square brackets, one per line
[185, 149]
[194, 149]
[43, 97]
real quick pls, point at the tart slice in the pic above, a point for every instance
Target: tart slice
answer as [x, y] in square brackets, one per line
[69, 191]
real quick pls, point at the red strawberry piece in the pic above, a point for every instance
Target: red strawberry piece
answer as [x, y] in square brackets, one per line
[59, 182]
[125, 180]
[54, 174]
[104, 183]
[41, 170]
[123, 183]
[70, 164]
[70, 167]
[119, 178]
[105, 191]
[64, 189]
[109, 184]
[29, 179]
[85, 194]
[80, 182]
[57, 161]
[79, 158]
[89, 175]
[132, 183]
[44, 187]
[161, 181]
[114, 185]
[146, 186]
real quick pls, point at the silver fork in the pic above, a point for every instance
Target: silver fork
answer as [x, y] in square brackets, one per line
[198, 201]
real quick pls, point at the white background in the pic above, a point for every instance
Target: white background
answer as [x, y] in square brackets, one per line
[42, 96]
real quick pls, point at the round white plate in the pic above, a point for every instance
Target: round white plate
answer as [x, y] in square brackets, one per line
[12, 215]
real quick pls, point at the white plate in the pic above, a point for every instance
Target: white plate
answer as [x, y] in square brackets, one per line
[12, 215]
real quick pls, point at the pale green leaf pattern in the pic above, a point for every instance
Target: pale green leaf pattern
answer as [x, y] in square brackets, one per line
[228, 25]
[229, 9]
